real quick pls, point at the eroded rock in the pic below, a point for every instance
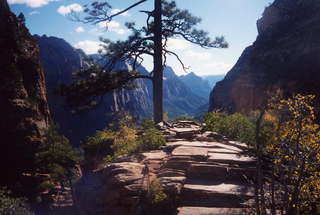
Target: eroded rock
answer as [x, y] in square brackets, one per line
[198, 178]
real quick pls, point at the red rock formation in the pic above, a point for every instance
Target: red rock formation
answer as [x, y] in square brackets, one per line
[24, 111]
[285, 56]
[198, 176]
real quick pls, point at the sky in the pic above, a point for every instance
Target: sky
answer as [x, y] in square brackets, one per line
[234, 19]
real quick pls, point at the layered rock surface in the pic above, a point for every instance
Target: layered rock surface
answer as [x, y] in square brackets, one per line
[201, 174]
[284, 57]
[24, 110]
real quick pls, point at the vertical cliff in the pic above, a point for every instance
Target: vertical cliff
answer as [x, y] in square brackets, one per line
[24, 115]
[60, 60]
[284, 57]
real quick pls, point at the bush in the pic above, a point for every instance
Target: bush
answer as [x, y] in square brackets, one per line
[10, 205]
[234, 126]
[108, 144]
[57, 157]
[151, 140]
[147, 124]
[155, 194]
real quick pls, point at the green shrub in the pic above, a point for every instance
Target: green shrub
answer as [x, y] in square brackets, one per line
[151, 140]
[155, 194]
[234, 126]
[10, 205]
[56, 156]
[147, 124]
[107, 145]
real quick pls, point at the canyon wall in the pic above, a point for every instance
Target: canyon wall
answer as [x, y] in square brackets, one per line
[24, 115]
[285, 57]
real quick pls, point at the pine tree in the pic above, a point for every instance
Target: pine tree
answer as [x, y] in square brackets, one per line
[164, 22]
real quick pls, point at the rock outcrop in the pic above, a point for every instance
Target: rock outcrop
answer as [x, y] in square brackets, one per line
[24, 110]
[284, 57]
[201, 174]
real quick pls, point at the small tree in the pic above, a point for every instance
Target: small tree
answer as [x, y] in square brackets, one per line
[164, 22]
[22, 18]
[57, 158]
[292, 145]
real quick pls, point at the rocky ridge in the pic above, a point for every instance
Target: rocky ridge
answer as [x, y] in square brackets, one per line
[201, 174]
[284, 57]
[24, 110]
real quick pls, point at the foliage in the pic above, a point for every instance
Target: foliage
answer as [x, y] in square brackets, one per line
[294, 152]
[147, 124]
[56, 156]
[234, 126]
[122, 138]
[10, 205]
[97, 147]
[156, 194]
[150, 140]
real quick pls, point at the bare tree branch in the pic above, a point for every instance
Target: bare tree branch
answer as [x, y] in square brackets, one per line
[128, 8]
[178, 58]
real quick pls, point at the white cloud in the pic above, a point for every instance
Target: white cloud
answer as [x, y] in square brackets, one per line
[113, 26]
[31, 3]
[88, 46]
[198, 55]
[96, 32]
[64, 10]
[34, 13]
[114, 11]
[79, 29]
[178, 44]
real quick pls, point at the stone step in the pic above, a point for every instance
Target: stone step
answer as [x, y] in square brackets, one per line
[232, 159]
[168, 172]
[220, 172]
[204, 194]
[212, 211]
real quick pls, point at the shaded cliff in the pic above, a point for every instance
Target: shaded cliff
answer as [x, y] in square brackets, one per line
[179, 99]
[60, 61]
[24, 111]
[213, 79]
[285, 56]
[197, 84]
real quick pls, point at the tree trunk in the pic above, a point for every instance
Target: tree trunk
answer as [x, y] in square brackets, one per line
[157, 64]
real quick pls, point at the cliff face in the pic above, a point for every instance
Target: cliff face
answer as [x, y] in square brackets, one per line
[199, 86]
[180, 99]
[60, 60]
[285, 56]
[24, 112]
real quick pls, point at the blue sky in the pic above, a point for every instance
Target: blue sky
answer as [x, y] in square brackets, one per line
[234, 19]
